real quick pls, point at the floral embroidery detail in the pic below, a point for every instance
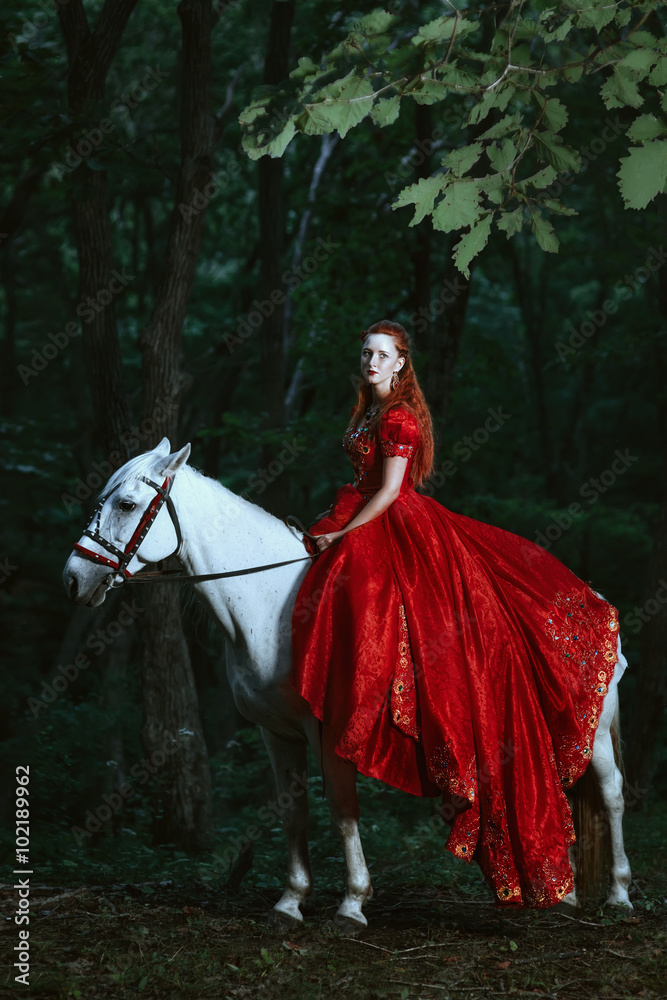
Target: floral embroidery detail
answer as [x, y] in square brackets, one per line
[365, 448]
[403, 691]
[587, 636]
[391, 448]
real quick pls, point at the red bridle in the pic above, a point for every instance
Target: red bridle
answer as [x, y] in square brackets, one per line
[124, 557]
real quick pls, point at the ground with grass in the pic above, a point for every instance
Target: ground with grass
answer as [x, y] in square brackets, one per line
[113, 918]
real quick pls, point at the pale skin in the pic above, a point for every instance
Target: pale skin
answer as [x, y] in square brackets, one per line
[379, 360]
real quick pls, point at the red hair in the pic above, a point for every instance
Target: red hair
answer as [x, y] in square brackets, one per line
[408, 393]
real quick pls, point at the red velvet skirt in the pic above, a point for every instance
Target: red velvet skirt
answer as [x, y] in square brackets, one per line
[451, 657]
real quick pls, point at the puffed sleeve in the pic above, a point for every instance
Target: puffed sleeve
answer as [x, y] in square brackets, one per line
[399, 433]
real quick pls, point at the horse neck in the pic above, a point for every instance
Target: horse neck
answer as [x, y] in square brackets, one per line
[223, 532]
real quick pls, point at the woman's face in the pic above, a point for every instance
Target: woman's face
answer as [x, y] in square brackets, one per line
[379, 361]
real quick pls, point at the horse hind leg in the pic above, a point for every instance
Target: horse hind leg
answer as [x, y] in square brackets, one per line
[605, 764]
[290, 769]
[340, 782]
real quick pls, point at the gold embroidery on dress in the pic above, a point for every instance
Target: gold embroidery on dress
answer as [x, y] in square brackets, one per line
[403, 690]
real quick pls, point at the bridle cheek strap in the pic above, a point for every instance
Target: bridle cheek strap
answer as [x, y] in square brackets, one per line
[125, 557]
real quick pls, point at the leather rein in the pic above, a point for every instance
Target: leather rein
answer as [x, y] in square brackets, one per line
[123, 557]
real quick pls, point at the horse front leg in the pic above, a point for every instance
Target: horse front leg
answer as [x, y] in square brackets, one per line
[290, 769]
[340, 782]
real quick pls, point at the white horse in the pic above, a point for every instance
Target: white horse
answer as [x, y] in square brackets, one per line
[213, 530]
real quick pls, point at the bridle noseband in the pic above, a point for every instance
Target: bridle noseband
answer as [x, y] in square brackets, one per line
[124, 557]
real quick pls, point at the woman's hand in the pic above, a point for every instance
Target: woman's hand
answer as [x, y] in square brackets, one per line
[324, 541]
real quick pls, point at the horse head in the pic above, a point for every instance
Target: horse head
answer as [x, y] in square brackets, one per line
[135, 523]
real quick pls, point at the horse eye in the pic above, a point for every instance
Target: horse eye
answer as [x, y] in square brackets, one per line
[127, 505]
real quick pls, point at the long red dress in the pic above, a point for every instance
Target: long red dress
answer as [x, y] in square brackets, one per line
[452, 657]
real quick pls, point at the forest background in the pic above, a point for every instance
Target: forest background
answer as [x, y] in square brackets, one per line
[140, 247]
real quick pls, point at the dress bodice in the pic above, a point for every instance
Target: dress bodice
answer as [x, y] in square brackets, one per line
[396, 433]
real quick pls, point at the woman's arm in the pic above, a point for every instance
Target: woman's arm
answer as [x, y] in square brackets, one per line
[393, 471]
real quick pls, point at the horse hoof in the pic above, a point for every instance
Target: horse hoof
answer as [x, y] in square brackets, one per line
[348, 926]
[281, 922]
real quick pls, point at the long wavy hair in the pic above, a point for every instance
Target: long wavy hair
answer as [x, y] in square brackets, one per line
[408, 393]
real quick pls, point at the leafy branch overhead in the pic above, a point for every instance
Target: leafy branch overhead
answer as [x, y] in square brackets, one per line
[517, 86]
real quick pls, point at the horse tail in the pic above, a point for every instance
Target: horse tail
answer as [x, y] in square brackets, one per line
[592, 851]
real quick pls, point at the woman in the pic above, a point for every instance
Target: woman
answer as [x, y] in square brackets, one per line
[447, 656]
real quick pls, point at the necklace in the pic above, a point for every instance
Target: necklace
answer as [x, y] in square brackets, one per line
[372, 411]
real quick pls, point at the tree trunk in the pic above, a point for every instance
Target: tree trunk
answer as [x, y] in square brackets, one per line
[171, 713]
[421, 258]
[90, 54]
[272, 247]
[645, 730]
[448, 313]
[9, 380]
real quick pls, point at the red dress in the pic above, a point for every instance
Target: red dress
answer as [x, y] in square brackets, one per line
[452, 657]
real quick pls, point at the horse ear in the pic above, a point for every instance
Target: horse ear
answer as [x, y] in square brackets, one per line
[164, 447]
[172, 463]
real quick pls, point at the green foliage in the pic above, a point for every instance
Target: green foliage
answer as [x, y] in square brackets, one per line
[487, 70]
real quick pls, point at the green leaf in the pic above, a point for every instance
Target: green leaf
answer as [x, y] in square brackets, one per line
[646, 127]
[508, 124]
[305, 67]
[638, 62]
[511, 222]
[499, 98]
[429, 91]
[550, 147]
[422, 195]
[471, 244]
[513, 945]
[435, 31]
[658, 77]
[572, 73]
[558, 208]
[555, 112]
[621, 90]
[385, 112]
[461, 160]
[544, 232]
[343, 112]
[542, 179]
[643, 173]
[501, 156]
[561, 32]
[377, 22]
[459, 208]
[595, 14]
[441, 29]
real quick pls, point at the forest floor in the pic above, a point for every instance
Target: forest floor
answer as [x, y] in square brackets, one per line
[165, 940]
